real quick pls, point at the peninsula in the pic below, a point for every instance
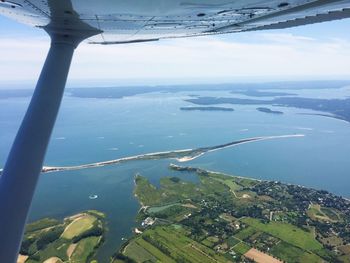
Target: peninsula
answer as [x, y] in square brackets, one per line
[179, 155]
[224, 218]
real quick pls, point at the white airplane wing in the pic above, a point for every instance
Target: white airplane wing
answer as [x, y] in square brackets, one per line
[126, 21]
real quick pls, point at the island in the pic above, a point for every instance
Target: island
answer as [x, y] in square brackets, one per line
[206, 109]
[267, 110]
[225, 218]
[74, 239]
[338, 108]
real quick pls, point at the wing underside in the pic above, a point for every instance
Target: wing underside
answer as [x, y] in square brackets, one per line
[125, 21]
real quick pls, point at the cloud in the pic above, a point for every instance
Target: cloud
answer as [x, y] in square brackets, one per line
[266, 54]
[286, 38]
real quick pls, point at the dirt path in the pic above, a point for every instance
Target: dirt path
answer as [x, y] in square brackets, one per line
[71, 249]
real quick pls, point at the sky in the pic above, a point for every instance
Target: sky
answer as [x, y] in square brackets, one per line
[320, 51]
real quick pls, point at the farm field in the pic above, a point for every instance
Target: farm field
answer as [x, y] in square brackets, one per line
[167, 244]
[75, 239]
[79, 226]
[286, 232]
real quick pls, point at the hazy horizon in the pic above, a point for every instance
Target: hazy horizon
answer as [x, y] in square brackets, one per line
[94, 83]
[318, 51]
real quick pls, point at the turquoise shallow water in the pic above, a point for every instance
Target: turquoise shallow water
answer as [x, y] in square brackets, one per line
[90, 130]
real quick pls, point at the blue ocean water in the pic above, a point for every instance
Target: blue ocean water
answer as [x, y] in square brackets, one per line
[91, 130]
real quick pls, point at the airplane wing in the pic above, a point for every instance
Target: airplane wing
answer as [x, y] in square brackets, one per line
[125, 21]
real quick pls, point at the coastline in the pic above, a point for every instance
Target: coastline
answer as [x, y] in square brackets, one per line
[254, 207]
[197, 169]
[332, 116]
[183, 155]
[175, 167]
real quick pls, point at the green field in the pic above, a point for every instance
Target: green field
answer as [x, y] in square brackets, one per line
[246, 182]
[316, 212]
[156, 209]
[210, 241]
[246, 232]
[84, 249]
[44, 240]
[331, 213]
[167, 244]
[207, 243]
[286, 232]
[41, 224]
[211, 185]
[231, 241]
[174, 213]
[79, 226]
[138, 253]
[289, 253]
[230, 183]
[154, 251]
[241, 248]
[57, 248]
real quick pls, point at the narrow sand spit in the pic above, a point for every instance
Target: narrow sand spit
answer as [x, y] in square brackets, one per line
[179, 155]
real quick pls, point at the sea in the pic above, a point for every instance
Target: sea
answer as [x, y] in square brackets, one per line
[98, 129]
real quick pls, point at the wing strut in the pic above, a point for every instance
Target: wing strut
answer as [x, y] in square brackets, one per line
[23, 166]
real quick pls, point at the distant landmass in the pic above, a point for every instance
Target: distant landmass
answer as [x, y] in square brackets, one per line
[249, 89]
[267, 110]
[339, 108]
[206, 109]
[258, 93]
[15, 93]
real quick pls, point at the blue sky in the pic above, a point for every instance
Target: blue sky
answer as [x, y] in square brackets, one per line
[320, 51]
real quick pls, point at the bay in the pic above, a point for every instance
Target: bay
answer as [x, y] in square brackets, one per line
[91, 130]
